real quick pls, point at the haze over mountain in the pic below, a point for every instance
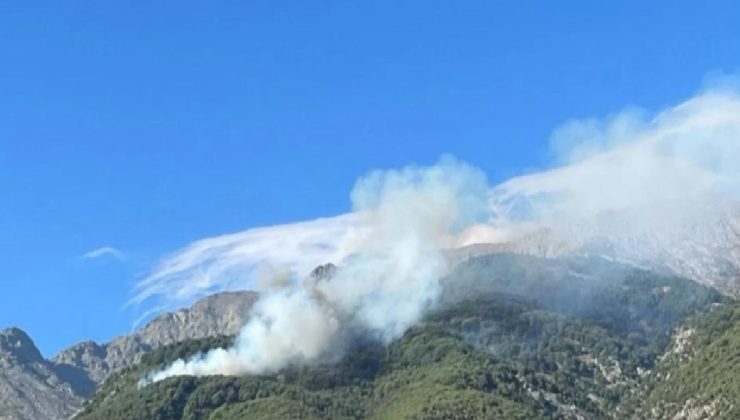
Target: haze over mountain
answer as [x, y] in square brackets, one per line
[668, 182]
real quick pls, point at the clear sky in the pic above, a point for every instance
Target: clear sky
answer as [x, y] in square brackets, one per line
[146, 125]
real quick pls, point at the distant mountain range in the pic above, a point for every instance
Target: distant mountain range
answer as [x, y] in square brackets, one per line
[559, 269]
[30, 386]
[514, 337]
[34, 388]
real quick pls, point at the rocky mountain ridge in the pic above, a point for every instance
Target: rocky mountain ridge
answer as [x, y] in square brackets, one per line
[32, 387]
[701, 244]
[222, 313]
[512, 337]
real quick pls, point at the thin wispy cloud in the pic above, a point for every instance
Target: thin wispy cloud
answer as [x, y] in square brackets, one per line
[103, 252]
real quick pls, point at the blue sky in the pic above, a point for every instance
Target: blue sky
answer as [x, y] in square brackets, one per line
[146, 125]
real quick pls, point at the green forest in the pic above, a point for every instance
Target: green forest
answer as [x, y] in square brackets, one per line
[603, 347]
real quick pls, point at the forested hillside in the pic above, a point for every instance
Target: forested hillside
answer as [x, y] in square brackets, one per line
[507, 352]
[699, 377]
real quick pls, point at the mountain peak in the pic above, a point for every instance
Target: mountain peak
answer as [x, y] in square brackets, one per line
[30, 386]
[17, 343]
[13, 331]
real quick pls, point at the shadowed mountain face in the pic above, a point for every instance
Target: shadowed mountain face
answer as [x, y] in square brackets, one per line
[34, 388]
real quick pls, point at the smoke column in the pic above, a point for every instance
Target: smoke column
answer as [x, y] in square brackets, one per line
[645, 173]
[382, 289]
[668, 181]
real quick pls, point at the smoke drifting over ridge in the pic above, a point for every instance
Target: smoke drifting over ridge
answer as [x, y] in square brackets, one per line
[667, 183]
[686, 154]
[382, 288]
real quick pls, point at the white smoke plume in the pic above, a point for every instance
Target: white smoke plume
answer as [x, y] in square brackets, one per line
[660, 192]
[683, 157]
[237, 261]
[382, 288]
[657, 183]
[685, 154]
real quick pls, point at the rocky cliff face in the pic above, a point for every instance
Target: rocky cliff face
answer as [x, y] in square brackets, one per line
[222, 313]
[34, 388]
[30, 386]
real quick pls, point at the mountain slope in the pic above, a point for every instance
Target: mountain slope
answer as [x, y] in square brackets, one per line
[34, 388]
[700, 376]
[222, 313]
[31, 387]
[508, 347]
[701, 243]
